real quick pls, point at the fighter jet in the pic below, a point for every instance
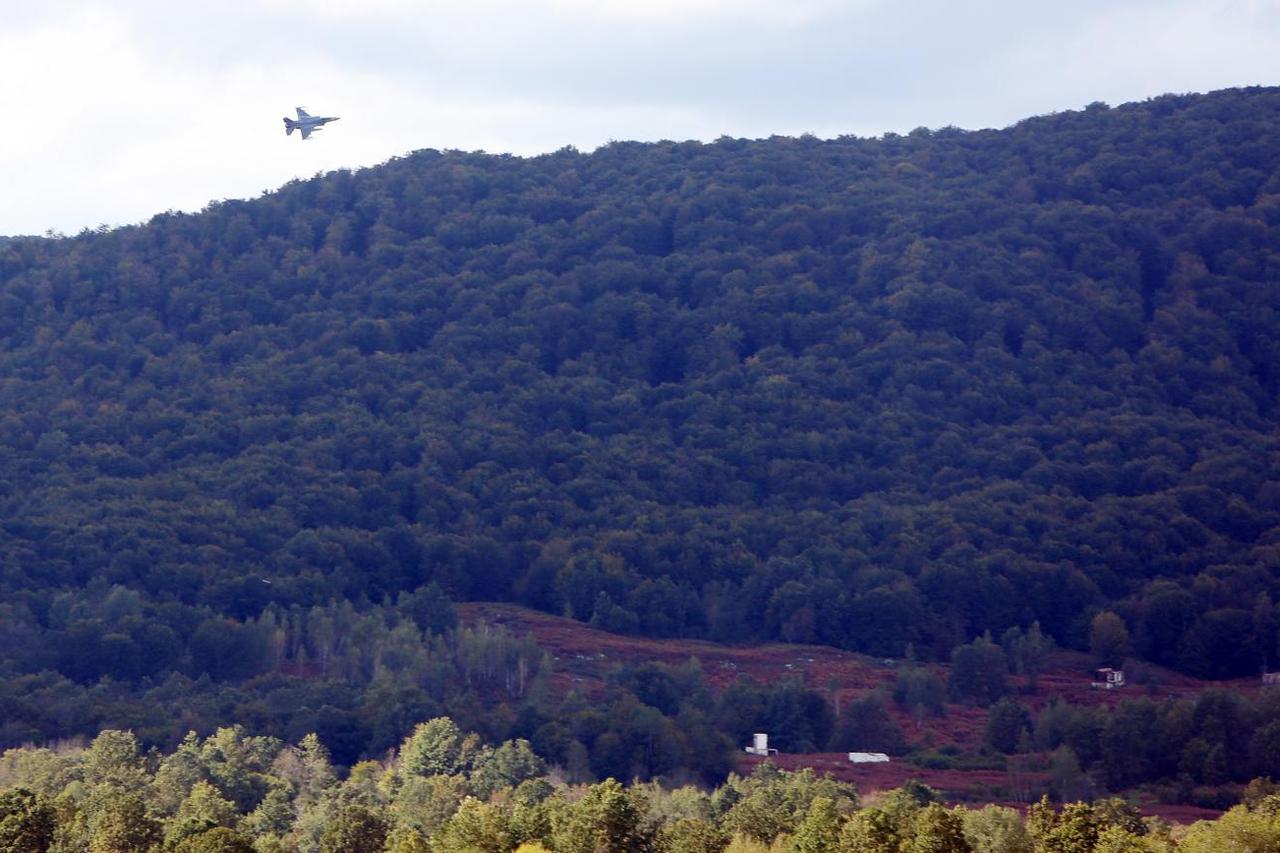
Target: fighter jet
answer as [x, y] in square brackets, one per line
[306, 123]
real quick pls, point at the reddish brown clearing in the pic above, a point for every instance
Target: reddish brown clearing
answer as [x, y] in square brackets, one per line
[584, 656]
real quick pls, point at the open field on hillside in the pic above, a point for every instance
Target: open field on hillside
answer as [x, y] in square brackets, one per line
[584, 656]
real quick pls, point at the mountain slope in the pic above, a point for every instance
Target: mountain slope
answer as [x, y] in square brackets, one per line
[868, 393]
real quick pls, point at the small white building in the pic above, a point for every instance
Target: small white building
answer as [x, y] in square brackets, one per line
[1108, 679]
[868, 757]
[760, 745]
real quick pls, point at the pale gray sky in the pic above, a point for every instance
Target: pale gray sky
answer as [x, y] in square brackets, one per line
[111, 112]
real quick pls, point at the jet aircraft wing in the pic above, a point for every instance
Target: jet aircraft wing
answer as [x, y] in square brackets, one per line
[303, 113]
[306, 131]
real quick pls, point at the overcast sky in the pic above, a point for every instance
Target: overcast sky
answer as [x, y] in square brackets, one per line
[113, 111]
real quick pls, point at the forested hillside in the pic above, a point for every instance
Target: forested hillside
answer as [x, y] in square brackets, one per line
[872, 393]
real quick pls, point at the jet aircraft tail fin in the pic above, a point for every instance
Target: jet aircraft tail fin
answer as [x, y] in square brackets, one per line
[289, 125]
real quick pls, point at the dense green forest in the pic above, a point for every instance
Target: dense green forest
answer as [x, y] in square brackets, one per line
[882, 394]
[444, 790]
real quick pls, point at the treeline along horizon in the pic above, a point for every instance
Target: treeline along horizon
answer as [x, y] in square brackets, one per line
[872, 393]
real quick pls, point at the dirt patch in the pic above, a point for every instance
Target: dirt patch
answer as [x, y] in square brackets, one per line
[591, 653]
[969, 788]
[585, 654]
[957, 786]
